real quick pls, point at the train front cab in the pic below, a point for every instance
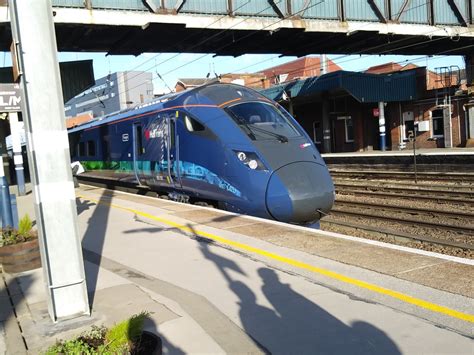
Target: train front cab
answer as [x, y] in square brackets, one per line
[299, 188]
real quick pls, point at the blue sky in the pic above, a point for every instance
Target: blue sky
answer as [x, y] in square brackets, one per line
[172, 66]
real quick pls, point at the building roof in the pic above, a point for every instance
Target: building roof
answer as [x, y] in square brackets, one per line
[384, 68]
[192, 81]
[301, 67]
[363, 87]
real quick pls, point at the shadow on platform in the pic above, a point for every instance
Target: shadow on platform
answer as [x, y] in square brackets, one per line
[295, 324]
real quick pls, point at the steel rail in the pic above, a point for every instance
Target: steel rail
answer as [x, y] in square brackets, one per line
[408, 188]
[388, 207]
[411, 186]
[397, 235]
[460, 177]
[437, 199]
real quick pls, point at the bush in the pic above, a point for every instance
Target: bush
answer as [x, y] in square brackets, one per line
[120, 339]
[24, 226]
[122, 336]
[24, 233]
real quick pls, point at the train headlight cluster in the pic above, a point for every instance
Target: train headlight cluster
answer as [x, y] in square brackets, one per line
[253, 164]
[251, 160]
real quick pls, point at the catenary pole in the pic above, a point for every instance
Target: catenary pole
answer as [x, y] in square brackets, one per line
[48, 154]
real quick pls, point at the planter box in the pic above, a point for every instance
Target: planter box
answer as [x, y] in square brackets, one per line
[20, 257]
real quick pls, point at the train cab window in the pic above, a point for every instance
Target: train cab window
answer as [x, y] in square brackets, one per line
[192, 125]
[90, 148]
[263, 121]
[81, 149]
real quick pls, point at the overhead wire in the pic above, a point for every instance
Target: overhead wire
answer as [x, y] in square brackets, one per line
[281, 19]
[238, 40]
[211, 37]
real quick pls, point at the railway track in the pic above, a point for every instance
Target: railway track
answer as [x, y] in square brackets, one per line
[390, 235]
[411, 210]
[389, 206]
[435, 192]
[464, 177]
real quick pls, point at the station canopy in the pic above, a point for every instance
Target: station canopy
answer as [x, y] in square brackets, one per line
[76, 76]
[364, 87]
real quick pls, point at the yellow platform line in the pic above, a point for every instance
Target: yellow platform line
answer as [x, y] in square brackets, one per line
[331, 274]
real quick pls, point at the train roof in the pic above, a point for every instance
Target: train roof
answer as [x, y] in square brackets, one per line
[214, 93]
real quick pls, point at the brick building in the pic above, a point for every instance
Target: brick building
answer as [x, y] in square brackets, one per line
[256, 81]
[300, 68]
[342, 108]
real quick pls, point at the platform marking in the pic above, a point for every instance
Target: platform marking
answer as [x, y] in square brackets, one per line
[301, 265]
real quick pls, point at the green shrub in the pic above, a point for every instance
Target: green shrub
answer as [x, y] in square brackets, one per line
[75, 347]
[24, 233]
[25, 225]
[117, 340]
[120, 337]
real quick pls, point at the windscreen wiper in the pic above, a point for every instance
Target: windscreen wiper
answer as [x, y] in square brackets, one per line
[280, 137]
[242, 123]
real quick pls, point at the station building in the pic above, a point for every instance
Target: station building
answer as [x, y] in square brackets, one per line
[343, 108]
[112, 93]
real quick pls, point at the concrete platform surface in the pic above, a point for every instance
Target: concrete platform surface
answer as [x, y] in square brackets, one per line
[220, 283]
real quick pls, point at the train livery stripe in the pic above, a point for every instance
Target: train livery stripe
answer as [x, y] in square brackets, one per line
[228, 102]
[301, 265]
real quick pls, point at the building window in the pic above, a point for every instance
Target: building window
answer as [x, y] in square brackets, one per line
[348, 128]
[81, 149]
[408, 125]
[437, 119]
[317, 132]
[90, 148]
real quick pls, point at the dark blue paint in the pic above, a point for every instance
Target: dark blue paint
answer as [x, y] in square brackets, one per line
[205, 164]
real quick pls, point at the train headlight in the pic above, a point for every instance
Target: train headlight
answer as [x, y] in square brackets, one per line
[251, 160]
[242, 156]
[253, 164]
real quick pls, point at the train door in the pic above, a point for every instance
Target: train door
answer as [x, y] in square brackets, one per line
[174, 166]
[138, 150]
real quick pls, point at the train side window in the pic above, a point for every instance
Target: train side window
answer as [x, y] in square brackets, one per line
[81, 149]
[91, 148]
[192, 125]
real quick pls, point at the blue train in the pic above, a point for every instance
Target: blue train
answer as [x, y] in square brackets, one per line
[220, 143]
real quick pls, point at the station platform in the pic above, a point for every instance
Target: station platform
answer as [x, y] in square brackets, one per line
[217, 282]
[459, 160]
[404, 152]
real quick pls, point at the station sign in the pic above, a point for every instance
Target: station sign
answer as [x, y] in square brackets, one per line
[10, 98]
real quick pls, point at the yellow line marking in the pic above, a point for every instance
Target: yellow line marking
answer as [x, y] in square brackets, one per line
[331, 274]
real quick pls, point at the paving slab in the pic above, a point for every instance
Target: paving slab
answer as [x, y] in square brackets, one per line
[213, 288]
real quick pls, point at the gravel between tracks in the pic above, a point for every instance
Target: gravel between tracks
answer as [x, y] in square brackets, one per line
[446, 206]
[383, 238]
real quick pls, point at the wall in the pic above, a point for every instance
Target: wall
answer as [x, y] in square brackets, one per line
[112, 93]
[422, 111]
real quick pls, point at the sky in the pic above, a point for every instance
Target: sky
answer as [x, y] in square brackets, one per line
[172, 66]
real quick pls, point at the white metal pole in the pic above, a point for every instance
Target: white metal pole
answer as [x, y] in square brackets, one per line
[382, 125]
[48, 152]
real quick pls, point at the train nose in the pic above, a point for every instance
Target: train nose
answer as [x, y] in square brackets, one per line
[298, 192]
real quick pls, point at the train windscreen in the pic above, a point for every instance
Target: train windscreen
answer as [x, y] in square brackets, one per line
[263, 121]
[221, 94]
